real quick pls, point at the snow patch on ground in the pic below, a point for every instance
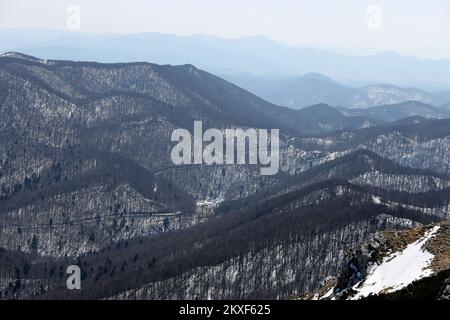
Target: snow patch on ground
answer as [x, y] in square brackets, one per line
[399, 269]
[376, 200]
[209, 203]
[328, 294]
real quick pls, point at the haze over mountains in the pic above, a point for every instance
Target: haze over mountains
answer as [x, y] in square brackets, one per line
[393, 112]
[313, 88]
[255, 55]
[86, 179]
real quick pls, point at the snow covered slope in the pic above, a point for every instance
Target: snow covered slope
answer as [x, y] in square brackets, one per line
[410, 264]
[399, 269]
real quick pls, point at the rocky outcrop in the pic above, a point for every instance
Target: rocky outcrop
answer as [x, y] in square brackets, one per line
[399, 254]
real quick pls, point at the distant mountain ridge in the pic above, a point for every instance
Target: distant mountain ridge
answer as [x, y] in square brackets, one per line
[313, 88]
[322, 117]
[396, 112]
[256, 55]
[307, 90]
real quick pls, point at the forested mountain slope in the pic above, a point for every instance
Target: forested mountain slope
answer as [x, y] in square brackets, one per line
[86, 178]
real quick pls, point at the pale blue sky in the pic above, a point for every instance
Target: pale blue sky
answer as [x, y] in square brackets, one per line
[412, 27]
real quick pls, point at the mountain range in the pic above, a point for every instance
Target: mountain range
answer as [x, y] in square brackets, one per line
[393, 112]
[86, 178]
[313, 88]
[255, 55]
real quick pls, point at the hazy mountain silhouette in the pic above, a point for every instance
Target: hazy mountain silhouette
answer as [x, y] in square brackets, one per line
[256, 55]
[314, 88]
